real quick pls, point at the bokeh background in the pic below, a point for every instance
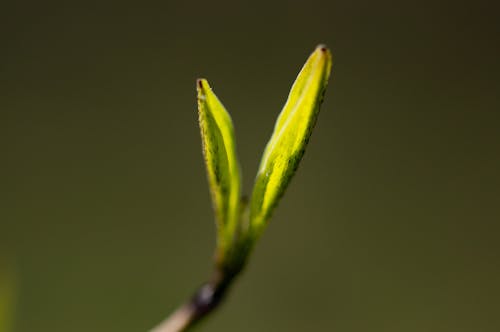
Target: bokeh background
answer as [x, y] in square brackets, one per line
[391, 223]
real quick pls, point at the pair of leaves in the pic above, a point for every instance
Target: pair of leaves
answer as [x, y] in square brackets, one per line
[279, 161]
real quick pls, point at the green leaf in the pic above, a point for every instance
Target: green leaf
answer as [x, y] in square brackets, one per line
[222, 165]
[289, 139]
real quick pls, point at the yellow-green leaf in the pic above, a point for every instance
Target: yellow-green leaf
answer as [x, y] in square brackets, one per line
[289, 139]
[222, 165]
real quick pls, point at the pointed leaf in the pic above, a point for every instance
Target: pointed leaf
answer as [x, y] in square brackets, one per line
[291, 134]
[221, 162]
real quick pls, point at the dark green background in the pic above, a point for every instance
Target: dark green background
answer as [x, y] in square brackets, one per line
[391, 223]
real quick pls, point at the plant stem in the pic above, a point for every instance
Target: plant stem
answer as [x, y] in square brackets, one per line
[203, 302]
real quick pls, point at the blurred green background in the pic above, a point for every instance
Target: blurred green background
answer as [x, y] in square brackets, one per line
[391, 223]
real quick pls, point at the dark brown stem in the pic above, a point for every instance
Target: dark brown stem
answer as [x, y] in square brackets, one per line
[205, 300]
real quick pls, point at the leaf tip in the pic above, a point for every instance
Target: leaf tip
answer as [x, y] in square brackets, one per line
[324, 52]
[322, 48]
[201, 83]
[203, 88]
